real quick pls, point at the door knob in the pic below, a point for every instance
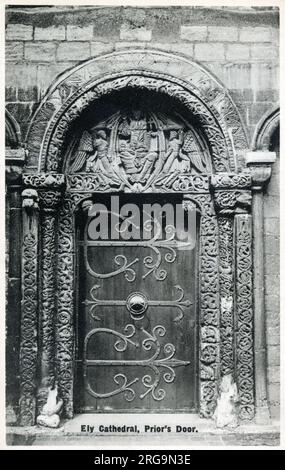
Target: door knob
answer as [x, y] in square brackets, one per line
[137, 304]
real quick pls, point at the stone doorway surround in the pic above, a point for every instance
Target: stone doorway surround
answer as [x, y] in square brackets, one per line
[51, 200]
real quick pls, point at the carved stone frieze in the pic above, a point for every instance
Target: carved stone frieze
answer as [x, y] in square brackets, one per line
[44, 180]
[231, 181]
[175, 182]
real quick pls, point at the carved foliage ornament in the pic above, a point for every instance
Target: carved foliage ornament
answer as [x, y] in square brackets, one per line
[225, 181]
[44, 180]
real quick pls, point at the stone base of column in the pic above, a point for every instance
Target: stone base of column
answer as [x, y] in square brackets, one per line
[262, 415]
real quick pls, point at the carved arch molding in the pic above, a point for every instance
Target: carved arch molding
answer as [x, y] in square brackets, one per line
[51, 200]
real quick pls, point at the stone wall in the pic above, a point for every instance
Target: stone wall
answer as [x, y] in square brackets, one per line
[238, 46]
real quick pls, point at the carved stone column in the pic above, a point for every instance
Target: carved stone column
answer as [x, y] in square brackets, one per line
[232, 199]
[259, 164]
[65, 344]
[49, 203]
[48, 187]
[244, 316]
[208, 301]
[14, 163]
[28, 344]
[65, 307]
[226, 265]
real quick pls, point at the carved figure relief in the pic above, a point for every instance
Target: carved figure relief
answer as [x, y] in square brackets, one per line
[138, 148]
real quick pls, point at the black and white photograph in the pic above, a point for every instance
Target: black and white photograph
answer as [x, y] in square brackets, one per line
[142, 225]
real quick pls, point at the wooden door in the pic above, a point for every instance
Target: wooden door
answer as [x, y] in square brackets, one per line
[136, 323]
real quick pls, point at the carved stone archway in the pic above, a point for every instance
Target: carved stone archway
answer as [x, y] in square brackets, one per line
[52, 198]
[185, 80]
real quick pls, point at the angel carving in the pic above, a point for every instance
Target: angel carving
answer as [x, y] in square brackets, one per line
[85, 149]
[174, 144]
[99, 158]
[192, 155]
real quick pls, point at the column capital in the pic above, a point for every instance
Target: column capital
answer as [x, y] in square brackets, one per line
[86, 204]
[259, 163]
[30, 199]
[49, 199]
[224, 181]
[188, 205]
[44, 181]
[49, 186]
[231, 192]
[229, 202]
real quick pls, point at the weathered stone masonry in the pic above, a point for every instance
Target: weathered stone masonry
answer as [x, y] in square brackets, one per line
[239, 48]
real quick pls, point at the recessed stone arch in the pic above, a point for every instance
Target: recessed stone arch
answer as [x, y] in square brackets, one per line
[13, 137]
[185, 81]
[265, 129]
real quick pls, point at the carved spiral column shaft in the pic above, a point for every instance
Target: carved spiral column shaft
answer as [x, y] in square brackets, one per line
[232, 196]
[28, 344]
[208, 301]
[65, 307]
[244, 315]
[226, 262]
[65, 340]
[49, 201]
